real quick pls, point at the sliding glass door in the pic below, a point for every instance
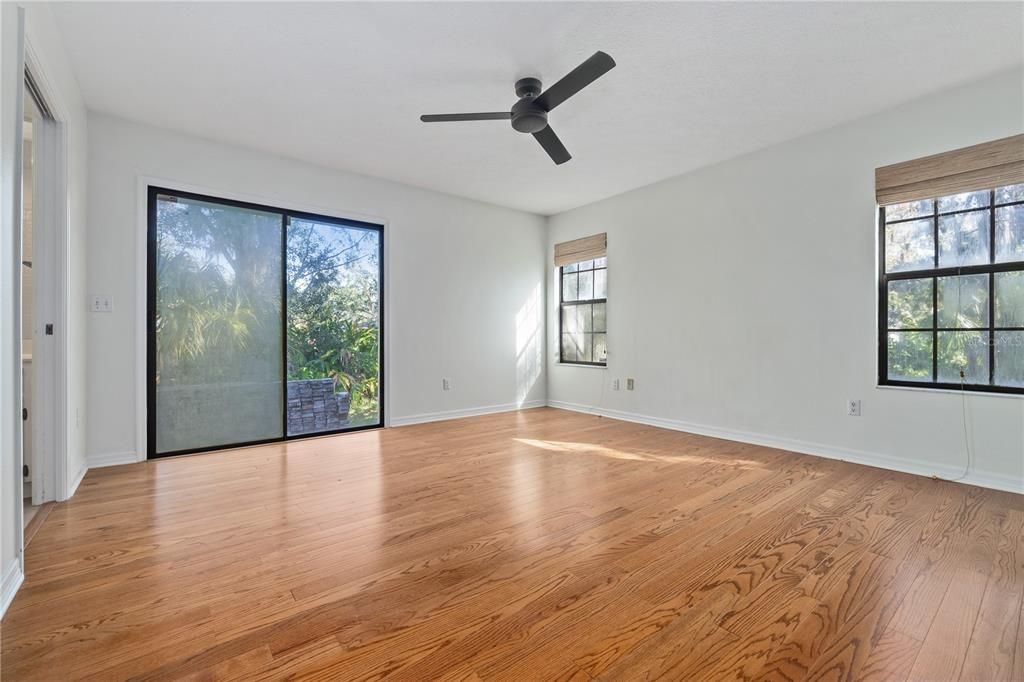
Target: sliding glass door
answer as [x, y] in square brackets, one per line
[264, 323]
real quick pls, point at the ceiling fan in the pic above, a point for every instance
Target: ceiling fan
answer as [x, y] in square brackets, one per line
[530, 113]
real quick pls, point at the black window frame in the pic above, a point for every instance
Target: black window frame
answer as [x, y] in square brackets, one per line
[934, 273]
[563, 304]
[153, 192]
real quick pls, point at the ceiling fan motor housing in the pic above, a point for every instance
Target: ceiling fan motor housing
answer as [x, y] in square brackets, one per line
[527, 117]
[527, 88]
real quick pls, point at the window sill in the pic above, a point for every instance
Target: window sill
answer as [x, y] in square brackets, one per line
[574, 364]
[949, 391]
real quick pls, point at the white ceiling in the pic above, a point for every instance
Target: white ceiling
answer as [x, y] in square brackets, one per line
[343, 84]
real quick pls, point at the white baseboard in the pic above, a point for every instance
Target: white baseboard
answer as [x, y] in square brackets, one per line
[985, 479]
[470, 412]
[13, 577]
[76, 481]
[109, 459]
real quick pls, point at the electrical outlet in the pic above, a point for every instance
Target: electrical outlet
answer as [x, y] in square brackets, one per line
[853, 408]
[629, 384]
[615, 384]
[446, 384]
[102, 303]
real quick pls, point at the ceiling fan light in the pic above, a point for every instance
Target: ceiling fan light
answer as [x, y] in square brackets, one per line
[529, 119]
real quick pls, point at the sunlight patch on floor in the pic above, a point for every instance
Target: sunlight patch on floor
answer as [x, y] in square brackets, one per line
[604, 451]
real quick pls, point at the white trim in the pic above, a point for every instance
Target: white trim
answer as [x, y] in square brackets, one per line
[110, 459]
[950, 391]
[388, 326]
[985, 479]
[141, 288]
[141, 294]
[13, 286]
[469, 412]
[76, 481]
[13, 577]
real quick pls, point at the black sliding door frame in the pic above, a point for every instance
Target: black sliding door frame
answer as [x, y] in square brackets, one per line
[287, 215]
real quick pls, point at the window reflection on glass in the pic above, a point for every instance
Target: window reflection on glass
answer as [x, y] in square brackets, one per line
[582, 318]
[910, 246]
[963, 302]
[964, 239]
[218, 325]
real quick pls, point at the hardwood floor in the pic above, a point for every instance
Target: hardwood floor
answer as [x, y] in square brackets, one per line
[540, 545]
[39, 515]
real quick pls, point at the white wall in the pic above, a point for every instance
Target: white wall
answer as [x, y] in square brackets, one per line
[461, 276]
[742, 298]
[42, 43]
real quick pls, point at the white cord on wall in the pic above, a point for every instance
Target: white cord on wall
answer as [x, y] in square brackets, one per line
[967, 437]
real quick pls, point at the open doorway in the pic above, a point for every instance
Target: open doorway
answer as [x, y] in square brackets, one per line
[38, 398]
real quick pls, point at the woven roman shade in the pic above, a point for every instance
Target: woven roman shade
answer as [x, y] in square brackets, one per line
[981, 166]
[585, 248]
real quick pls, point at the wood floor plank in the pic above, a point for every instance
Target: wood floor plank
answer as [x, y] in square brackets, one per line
[892, 658]
[687, 648]
[831, 634]
[947, 643]
[991, 650]
[536, 545]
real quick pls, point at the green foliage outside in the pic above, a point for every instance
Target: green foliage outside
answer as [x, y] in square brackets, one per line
[333, 310]
[962, 304]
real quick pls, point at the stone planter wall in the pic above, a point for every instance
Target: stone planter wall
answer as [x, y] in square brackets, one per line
[314, 406]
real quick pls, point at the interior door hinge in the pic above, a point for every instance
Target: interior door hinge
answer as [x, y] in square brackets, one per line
[24, 470]
[24, 414]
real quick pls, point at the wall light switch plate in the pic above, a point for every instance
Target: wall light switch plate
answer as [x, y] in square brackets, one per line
[853, 408]
[615, 384]
[446, 384]
[629, 384]
[101, 303]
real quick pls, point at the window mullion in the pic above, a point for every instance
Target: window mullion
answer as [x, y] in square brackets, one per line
[992, 290]
[935, 325]
[935, 292]
[992, 328]
[883, 302]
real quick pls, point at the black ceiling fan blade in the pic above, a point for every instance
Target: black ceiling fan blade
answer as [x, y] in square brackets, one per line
[574, 81]
[552, 145]
[488, 116]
